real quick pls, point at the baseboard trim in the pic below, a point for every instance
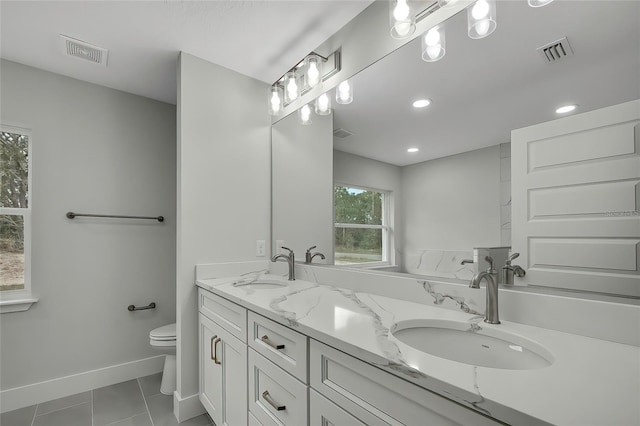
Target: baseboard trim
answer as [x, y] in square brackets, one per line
[23, 396]
[188, 407]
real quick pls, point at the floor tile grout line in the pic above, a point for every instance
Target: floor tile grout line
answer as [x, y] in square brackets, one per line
[145, 401]
[55, 411]
[34, 415]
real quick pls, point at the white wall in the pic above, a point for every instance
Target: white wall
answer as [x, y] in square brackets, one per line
[95, 150]
[302, 185]
[453, 203]
[223, 190]
[360, 171]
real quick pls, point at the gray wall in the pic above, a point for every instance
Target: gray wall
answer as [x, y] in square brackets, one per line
[223, 190]
[95, 150]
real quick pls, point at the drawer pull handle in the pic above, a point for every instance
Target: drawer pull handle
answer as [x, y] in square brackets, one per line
[266, 340]
[215, 351]
[211, 352]
[271, 402]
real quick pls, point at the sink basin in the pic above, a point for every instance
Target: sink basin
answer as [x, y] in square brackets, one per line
[260, 283]
[473, 344]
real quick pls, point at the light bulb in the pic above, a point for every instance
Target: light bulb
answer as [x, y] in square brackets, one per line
[433, 37]
[292, 89]
[343, 90]
[482, 27]
[305, 114]
[275, 102]
[539, 3]
[323, 102]
[480, 10]
[313, 74]
[403, 29]
[401, 11]
[434, 51]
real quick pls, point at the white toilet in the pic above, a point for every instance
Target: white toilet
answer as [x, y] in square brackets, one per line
[163, 339]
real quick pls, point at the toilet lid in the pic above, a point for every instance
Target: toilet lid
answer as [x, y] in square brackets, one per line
[166, 332]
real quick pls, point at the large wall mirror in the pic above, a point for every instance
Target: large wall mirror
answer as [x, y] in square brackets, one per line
[422, 211]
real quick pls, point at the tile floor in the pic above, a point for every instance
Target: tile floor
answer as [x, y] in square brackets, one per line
[133, 403]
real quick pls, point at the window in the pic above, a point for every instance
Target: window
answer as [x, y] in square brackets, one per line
[361, 229]
[15, 214]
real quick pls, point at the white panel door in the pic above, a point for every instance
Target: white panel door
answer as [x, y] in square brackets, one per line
[576, 201]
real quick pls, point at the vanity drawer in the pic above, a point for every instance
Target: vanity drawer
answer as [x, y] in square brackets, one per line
[362, 389]
[228, 315]
[323, 412]
[281, 345]
[275, 397]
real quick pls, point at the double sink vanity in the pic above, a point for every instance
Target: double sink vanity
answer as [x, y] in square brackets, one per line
[300, 352]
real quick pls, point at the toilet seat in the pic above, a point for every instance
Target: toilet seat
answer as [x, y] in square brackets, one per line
[166, 332]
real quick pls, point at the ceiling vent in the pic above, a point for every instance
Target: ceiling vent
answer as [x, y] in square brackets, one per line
[553, 52]
[83, 50]
[341, 133]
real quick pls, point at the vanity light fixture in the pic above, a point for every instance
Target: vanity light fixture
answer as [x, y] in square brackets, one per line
[344, 92]
[412, 150]
[323, 104]
[446, 3]
[481, 18]
[276, 103]
[422, 103]
[433, 44]
[539, 3]
[402, 18]
[566, 109]
[304, 114]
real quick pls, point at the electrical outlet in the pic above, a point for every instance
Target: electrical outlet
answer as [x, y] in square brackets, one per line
[279, 244]
[260, 248]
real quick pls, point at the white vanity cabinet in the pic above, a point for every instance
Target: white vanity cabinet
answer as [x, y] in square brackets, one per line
[223, 360]
[372, 396]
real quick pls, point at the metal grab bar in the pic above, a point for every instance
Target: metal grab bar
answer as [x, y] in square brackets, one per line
[72, 215]
[132, 308]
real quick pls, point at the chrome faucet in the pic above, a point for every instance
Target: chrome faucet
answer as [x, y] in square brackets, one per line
[491, 315]
[291, 260]
[308, 257]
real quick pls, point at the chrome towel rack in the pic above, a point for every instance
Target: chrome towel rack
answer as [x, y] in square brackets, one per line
[132, 308]
[72, 215]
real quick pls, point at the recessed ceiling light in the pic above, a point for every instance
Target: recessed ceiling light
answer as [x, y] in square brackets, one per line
[413, 150]
[421, 103]
[566, 108]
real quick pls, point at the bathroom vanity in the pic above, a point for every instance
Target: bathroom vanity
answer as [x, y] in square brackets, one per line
[299, 352]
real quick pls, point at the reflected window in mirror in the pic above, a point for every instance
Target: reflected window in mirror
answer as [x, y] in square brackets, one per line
[361, 228]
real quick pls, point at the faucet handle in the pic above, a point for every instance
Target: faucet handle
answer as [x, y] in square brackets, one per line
[287, 248]
[490, 260]
[512, 257]
[311, 248]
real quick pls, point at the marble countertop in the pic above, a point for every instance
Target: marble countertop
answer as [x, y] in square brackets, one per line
[590, 382]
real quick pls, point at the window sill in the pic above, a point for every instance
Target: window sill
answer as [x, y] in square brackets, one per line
[17, 303]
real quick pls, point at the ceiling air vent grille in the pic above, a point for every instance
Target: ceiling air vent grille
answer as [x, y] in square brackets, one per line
[555, 51]
[83, 50]
[341, 133]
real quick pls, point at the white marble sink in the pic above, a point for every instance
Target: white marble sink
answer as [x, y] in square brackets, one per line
[473, 344]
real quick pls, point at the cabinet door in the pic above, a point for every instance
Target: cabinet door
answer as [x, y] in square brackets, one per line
[323, 412]
[223, 374]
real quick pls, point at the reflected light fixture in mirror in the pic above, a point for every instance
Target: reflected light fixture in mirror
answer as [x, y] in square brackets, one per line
[276, 103]
[481, 18]
[304, 115]
[433, 44]
[344, 92]
[446, 3]
[402, 18]
[290, 87]
[323, 104]
[539, 3]
[313, 74]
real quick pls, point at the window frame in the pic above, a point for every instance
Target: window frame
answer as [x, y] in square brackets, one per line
[21, 299]
[385, 227]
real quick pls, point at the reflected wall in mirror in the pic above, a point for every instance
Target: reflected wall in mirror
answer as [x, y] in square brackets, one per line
[453, 194]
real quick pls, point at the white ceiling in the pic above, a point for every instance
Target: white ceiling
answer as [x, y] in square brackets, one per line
[261, 39]
[482, 89]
